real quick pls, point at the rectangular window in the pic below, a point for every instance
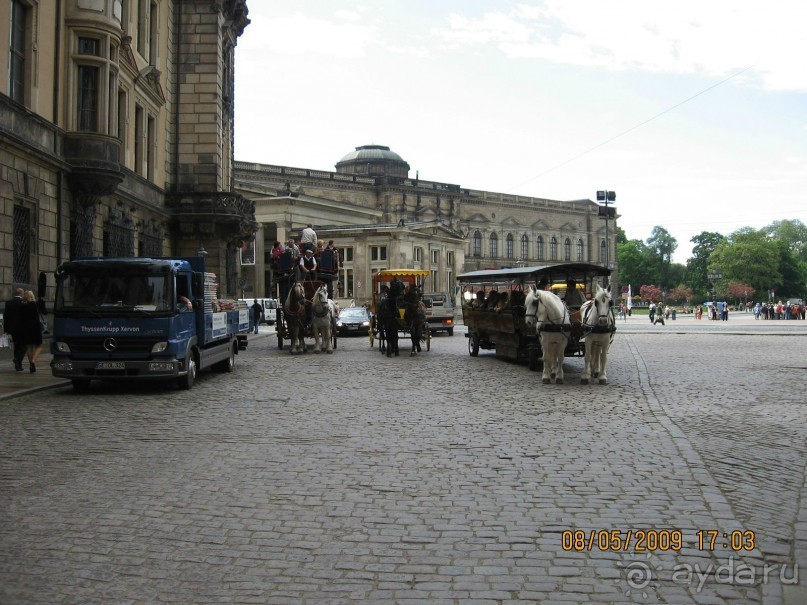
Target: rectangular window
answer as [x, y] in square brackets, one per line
[418, 253]
[345, 286]
[16, 68]
[140, 27]
[345, 255]
[450, 259]
[435, 285]
[435, 257]
[151, 147]
[152, 50]
[22, 245]
[88, 98]
[139, 135]
[378, 253]
[122, 119]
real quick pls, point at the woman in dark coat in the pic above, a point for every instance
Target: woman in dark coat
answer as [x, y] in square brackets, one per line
[31, 328]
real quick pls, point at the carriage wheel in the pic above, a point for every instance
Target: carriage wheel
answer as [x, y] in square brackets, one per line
[473, 345]
[372, 331]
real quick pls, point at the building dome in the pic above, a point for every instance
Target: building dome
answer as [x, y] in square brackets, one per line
[373, 160]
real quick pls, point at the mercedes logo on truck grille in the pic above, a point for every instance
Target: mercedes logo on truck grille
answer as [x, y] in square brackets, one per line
[110, 344]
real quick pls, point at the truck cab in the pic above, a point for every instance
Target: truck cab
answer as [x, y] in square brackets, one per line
[440, 312]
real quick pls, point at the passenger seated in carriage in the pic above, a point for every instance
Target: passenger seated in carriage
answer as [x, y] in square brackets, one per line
[277, 250]
[479, 301]
[493, 298]
[503, 303]
[517, 298]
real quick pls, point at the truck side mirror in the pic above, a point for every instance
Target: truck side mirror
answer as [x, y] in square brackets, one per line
[198, 285]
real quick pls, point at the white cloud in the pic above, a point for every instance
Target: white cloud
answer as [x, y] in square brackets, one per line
[299, 34]
[715, 39]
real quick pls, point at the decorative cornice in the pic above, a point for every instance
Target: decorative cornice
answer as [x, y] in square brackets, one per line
[148, 80]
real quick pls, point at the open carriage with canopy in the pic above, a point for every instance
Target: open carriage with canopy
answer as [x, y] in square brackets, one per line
[494, 308]
[302, 301]
[397, 307]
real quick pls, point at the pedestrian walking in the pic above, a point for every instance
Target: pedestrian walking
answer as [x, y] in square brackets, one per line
[257, 313]
[12, 322]
[32, 328]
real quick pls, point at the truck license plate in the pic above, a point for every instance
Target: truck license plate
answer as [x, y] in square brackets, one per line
[110, 365]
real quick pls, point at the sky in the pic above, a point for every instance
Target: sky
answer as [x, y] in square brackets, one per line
[694, 113]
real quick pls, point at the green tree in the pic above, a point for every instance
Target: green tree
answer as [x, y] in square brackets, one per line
[635, 264]
[696, 275]
[793, 233]
[750, 260]
[663, 245]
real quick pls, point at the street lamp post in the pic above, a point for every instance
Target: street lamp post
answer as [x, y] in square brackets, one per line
[606, 197]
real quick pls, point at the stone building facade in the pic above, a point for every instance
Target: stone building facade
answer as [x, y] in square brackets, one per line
[381, 218]
[116, 135]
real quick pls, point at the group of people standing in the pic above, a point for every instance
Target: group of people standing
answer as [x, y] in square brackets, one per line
[24, 321]
[779, 311]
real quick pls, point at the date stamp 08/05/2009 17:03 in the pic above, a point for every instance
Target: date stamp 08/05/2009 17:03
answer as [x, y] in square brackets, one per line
[656, 540]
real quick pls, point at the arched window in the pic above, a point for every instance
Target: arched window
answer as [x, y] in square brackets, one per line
[580, 251]
[602, 252]
[494, 245]
[508, 245]
[567, 250]
[553, 249]
[476, 249]
[539, 248]
[525, 247]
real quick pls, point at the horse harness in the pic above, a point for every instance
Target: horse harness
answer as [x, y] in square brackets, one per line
[595, 328]
[550, 326]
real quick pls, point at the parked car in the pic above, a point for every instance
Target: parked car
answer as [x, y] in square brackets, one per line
[353, 320]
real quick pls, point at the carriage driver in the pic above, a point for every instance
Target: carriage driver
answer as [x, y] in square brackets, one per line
[574, 297]
[308, 265]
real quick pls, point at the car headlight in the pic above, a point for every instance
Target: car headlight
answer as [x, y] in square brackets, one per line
[159, 347]
[365, 324]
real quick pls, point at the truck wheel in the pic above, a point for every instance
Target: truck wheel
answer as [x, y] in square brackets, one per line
[473, 345]
[226, 365]
[450, 331]
[80, 384]
[186, 382]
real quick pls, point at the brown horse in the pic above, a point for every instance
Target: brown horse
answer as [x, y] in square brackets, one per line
[294, 312]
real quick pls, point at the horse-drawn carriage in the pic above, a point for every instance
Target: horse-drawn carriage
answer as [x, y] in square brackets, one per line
[307, 309]
[396, 306]
[519, 313]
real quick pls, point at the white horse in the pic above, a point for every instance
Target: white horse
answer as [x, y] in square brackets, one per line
[323, 320]
[544, 311]
[599, 325]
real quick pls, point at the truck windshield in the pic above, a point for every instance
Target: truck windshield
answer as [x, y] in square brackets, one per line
[95, 291]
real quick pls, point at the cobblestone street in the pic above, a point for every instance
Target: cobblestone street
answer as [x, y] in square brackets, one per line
[437, 479]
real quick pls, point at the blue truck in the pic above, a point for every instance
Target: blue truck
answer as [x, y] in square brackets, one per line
[142, 318]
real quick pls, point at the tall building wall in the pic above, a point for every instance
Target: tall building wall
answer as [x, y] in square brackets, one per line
[95, 124]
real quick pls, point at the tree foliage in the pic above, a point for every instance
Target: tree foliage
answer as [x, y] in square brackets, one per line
[771, 258]
[650, 292]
